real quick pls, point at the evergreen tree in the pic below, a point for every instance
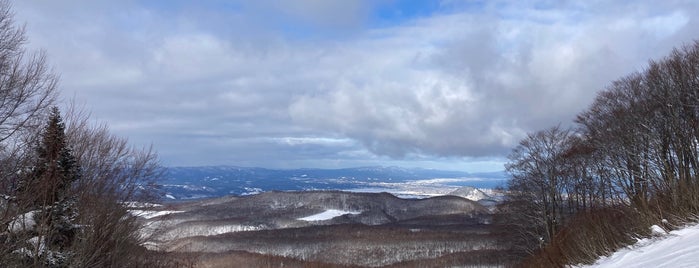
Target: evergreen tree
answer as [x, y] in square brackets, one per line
[47, 189]
[56, 168]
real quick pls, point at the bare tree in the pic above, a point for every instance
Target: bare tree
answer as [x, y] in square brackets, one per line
[113, 175]
[111, 172]
[27, 84]
[635, 152]
[537, 185]
[643, 129]
[27, 90]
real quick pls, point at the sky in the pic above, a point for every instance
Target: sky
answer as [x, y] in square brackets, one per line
[452, 84]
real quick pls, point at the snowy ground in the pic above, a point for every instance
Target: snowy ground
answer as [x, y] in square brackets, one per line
[328, 214]
[679, 248]
[148, 214]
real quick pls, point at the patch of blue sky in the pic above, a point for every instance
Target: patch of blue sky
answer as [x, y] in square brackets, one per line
[399, 11]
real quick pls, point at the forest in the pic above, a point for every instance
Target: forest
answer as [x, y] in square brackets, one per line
[629, 161]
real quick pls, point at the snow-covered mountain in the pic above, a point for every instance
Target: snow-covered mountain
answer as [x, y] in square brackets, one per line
[345, 228]
[470, 193]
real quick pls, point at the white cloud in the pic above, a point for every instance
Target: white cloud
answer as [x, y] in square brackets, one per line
[229, 85]
[295, 141]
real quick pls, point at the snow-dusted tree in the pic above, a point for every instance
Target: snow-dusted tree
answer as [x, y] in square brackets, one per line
[46, 190]
[27, 90]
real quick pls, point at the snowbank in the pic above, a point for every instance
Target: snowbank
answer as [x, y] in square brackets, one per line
[677, 249]
[328, 214]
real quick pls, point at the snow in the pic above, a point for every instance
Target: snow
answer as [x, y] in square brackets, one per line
[22, 222]
[38, 243]
[677, 249]
[202, 230]
[328, 214]
[657, 230]
[470, 193]
[147, 214]
[140, 205]
[419, 189]
[251, 191]
[216, 230]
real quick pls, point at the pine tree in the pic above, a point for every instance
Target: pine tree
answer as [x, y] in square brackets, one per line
[47, 189]
[56, 168]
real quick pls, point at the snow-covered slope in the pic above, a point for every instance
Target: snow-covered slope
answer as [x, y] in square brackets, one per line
[470, 193]
[679, 248]
[328, 214]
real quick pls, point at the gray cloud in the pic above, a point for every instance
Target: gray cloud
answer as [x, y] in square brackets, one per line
[474, 85]
[234, 85]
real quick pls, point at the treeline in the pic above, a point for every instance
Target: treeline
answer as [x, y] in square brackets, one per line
[360, 245]
[63, 179]
[631, 160]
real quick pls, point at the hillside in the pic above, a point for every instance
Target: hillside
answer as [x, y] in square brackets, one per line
[280, 210]
[344, 228]
[676, 249]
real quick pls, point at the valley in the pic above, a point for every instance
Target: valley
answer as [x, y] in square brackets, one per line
[326, 227]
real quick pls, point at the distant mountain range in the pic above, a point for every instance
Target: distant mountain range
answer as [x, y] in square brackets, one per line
[365, 229]
[340, 216]
[214, 181]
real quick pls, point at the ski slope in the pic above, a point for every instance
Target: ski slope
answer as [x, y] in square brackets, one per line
[679, 248]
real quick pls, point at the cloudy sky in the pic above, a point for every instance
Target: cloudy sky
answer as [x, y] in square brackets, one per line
[335, 83]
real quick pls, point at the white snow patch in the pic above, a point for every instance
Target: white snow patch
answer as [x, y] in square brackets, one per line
[141, 205]
[677, 249]
[216, 230]
[220, 229]
[328, 214]
[39, 247]
[39, 243]
[419, 189]
[251, 191]
[657, 230]
[170, 196]
[147, 214]
[22, 222]
[470, 193]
